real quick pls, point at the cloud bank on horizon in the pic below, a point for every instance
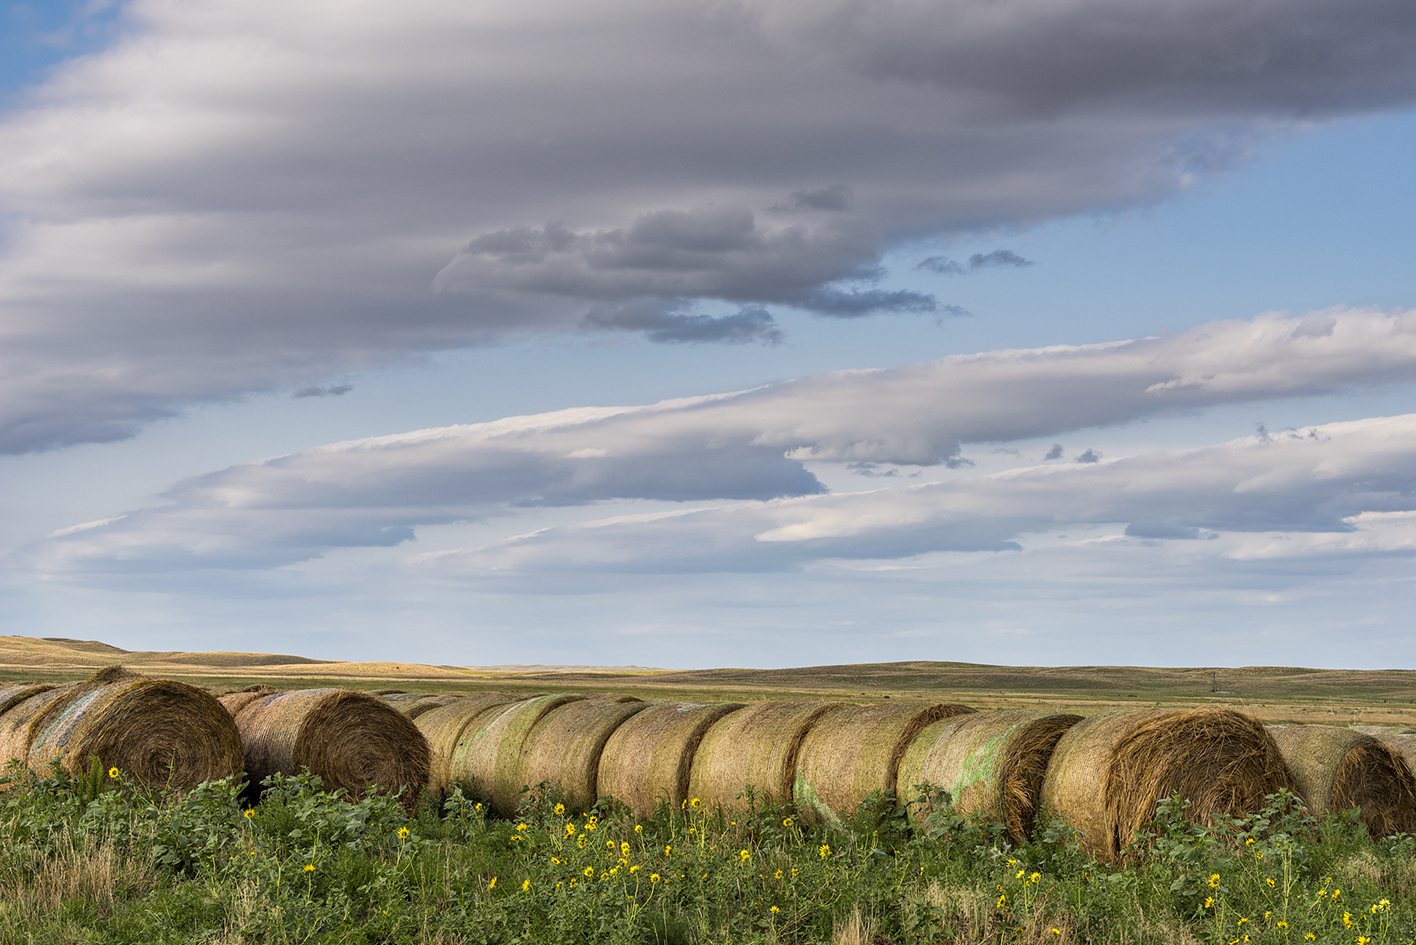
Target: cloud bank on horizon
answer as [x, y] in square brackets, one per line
[755, 446]
[237, 197]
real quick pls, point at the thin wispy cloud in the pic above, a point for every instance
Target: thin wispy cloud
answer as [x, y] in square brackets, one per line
[747, 445]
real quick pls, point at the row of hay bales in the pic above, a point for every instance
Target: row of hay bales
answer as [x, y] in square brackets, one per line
[163, 734]
[1103, 774]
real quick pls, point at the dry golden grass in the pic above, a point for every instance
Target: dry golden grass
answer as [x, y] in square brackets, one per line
[1273, 694]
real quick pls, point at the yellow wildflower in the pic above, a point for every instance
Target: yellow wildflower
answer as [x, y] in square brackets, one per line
[526, 885]
[653, 877]
[589, 871]
[824, 850]
[560, 810]
[403, 833]
[113, 773]
[775, 910]
[248, 813]
[744, 855]
[493, 883]
[787, 822]
[1214, 881]
[309, 867]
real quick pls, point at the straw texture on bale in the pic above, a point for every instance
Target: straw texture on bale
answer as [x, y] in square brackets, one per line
[565, 746]
[991, 763]
[158, 732]
[443, 727]
[1109, 771]
[648, 759]
[1337, 769]
[855, 750]
[21, 704]
[489, 752]
[350, 739]
[756, 746]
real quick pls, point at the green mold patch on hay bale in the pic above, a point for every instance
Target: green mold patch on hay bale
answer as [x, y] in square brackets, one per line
[488, 755]
[18, 707]
[1337, 769]
[756, 746]
[1109, 772]
[159, 733]
[854, 751]
[351, 739]
[992, 763]
[565, 745]
[443, 727]
[648, 759]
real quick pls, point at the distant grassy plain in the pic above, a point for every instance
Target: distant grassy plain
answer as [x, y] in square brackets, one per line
[1272, 693]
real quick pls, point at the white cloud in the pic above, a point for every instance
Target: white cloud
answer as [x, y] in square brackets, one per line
[1344, 488]
[751, 445]
[255, 195]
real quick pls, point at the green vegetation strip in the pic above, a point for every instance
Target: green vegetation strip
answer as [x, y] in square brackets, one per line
[95, 859]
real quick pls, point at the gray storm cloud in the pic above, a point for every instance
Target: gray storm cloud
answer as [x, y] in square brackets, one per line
[252, 196]
[747, 445]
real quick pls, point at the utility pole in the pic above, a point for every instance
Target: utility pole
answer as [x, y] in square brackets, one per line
[1214, 682]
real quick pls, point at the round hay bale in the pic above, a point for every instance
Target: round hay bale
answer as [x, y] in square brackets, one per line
[1403, 745]
[1337, 769]
[236, 701]
[855, 750]
[565, 745]
[1109, 771]
[756, 746]
[414, 704]
[649, 757]
[443, 727]
[158, 732]
[18, 706]
[350, 739]
[991, 763]
[489, 751]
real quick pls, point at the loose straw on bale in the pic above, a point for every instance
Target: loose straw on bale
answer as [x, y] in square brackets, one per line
[1337, 769]
[756, 746]
[157, 732]
[443, 727]
[648, 758]
[1110, 771]
[991, 763]
[350, 739]
[489, 751]
[18, 706]
[855, 750]
[565, 745]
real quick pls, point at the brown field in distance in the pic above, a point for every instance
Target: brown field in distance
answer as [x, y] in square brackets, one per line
[1273, 693]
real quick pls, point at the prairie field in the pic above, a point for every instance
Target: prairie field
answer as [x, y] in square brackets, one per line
[95, 857]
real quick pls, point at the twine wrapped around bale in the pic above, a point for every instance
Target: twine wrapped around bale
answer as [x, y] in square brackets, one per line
[756, 746]
[1337, 769]
[854, 751]
[565, 745]
[18, 707]
[1108, 772]
[648, 759]
[159, 733]
[443, 727]
[991, 763]
[489, 751]
[350, 739]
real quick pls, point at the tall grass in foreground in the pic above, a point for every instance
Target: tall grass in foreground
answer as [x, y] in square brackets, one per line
[92, 860]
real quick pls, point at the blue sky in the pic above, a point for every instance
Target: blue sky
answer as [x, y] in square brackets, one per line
[184, 260]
